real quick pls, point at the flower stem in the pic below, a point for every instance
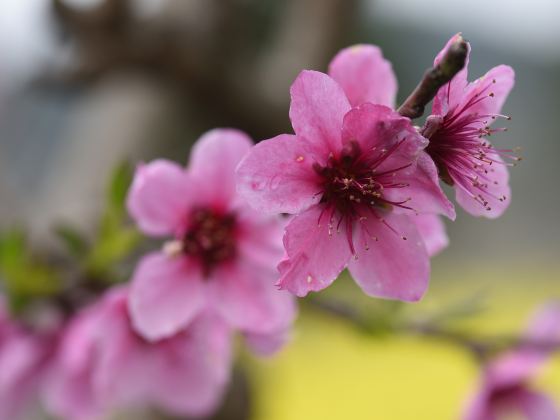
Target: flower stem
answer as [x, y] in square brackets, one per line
[452, 62]
[482, 347]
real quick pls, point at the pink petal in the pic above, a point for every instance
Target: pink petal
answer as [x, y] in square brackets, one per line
[184, 374]
[166, 293]
[536, 406]
[498, 186]
[451, 94]
[267, 344]
[277, 176]
[365, 75]
[317, 108]
[517, 366]
[432, 230]
[213, 160]
[391, 267]
[478, 407]
[159, 197]
[494, 86]
[245, 295]
[424, 191]
[69, 395]
[377, 127]
[194, 368]
[316, 254]
[124, 369]
[22, 361]
[545, 323]
[68, 391]
[259, 237]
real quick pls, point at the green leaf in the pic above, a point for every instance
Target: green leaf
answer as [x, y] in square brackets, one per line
[115, 239]
[24, 276]
[75, 242]
[111, 247]
[117, 189]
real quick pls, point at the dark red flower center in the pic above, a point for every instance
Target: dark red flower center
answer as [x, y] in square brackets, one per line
[354, 186]
[211, 238]
[461, 154]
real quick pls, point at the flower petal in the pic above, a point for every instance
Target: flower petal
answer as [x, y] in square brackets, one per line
[69, 391]
[317, 108]
[259, 236]
[424, 191]
[159, 197]
[22, 362]
[193, 368]
[391, 267]
[517, 366]
[536, 405]
[494, 87]
[277, 176]
[432, 230]
[246, 297]
[122, 370]
[213, 160]
[267, 344]
[166, 293]
[497, 192]
[365, 75]
[184, 374]
[316, 253]
[452, 93]
[378, 129]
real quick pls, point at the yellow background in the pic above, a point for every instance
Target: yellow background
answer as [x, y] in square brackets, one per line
[333, 371]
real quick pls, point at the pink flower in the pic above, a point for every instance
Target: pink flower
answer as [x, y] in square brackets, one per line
[223, 254]
[103, 365]
[506, 388]
[366, 76]
[458, 129]
[352, 177]
[24, 357]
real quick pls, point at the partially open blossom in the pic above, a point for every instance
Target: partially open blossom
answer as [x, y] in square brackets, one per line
[366, 76]
[352, 177]
[506, 391]
[458, 130]
[222, 253]
[103, 365]
[24, 357]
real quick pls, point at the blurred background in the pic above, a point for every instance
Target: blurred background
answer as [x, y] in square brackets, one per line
[86, 84]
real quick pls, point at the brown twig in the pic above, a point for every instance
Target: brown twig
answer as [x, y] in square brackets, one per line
[480, 347]
[451, 64]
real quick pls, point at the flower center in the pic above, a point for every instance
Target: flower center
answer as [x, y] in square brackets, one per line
[355, 186]
[211, 238]
[461, 154]
[354, 180]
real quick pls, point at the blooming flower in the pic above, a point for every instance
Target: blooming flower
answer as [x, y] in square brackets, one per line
[458, 129]
[223, 253]
[24, 357]
[505, 389]
[102, 365]
[351, 176]
[366, 76]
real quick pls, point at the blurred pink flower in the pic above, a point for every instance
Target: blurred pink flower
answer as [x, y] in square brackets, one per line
[457, 129]
[506, 389]
[223, 255]
[24, 358]
[366, 76]
[103, 365]
[352, 177]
